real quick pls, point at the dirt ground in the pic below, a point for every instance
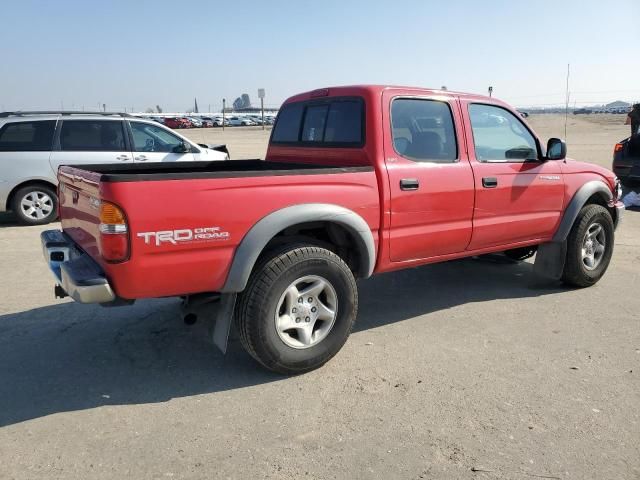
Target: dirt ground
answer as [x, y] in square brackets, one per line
[471, 369]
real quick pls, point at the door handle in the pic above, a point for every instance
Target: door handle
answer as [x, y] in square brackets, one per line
[141, 158]
[122, 157]
[489, 182]
[409, 184]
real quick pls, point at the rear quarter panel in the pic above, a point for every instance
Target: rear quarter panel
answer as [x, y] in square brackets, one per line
[232, 205]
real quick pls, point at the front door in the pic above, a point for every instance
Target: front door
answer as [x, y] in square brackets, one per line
[90, 141]
[431, 180]
[152, 143]
[519, 195]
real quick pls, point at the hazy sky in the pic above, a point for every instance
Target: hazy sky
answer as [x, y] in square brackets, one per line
[142, 53]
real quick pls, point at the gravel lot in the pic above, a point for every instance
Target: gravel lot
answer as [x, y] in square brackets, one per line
[472, 369]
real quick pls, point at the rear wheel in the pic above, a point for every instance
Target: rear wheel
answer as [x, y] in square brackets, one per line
[298, 309]
[589, 247]
[35, 205]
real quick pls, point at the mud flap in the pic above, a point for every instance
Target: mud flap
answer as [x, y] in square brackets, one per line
[550, 259]
[224, 318]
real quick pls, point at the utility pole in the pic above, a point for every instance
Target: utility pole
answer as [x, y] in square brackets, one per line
[490, 91]
[261, 95]
[566, 105]
[224, 102]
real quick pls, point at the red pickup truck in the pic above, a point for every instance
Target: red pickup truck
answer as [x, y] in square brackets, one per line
[357, 180]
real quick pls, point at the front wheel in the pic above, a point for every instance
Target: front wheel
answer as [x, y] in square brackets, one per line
[298, 309]
[589, 247]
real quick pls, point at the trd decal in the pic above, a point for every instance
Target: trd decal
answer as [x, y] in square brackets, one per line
[184, 235]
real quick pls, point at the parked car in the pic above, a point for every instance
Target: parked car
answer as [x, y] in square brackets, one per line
[582, 111]
[356, 194]
[240, 121]
[626, 160]
[186, 122]
[34, 144]
[195, 121]
[210, 121]
[173, 122]
[206, 123]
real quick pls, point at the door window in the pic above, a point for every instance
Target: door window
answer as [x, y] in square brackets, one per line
[423, 130]
[92, 136]
[27, 136]
[499, 136]
[150, 138]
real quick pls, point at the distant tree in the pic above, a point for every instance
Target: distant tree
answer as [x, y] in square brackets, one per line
[149, 110]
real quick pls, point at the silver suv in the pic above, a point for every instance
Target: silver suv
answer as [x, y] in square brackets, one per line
[34, 144]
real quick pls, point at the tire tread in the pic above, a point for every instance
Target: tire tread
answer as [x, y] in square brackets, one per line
[255, 295]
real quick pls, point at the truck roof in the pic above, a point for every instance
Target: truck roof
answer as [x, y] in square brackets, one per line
[376, 90]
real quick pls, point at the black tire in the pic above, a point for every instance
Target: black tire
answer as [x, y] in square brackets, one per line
[520, 254]
[255, 313]
[48, 203]
[576, 272]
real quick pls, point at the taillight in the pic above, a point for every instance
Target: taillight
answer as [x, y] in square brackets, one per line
[618, 148]
[114, 234]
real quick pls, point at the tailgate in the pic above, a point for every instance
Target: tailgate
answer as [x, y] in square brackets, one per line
[80, 207]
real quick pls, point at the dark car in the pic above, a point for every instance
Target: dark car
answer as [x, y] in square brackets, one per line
[626, 160]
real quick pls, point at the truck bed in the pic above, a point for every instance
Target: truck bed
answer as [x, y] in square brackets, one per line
[139, 172]
[229, 197]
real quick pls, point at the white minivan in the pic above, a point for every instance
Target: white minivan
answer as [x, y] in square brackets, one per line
[34, 144]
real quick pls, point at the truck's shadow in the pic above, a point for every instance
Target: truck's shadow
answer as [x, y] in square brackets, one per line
[69, 357]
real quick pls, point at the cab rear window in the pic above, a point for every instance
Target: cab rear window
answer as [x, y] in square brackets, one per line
[331, 122]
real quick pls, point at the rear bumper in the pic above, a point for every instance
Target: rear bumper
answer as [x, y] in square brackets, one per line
[80, 277]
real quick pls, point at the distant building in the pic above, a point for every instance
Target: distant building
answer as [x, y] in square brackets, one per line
[242, 102]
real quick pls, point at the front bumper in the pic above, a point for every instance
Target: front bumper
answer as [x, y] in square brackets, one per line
[619, 206]
[78, 274]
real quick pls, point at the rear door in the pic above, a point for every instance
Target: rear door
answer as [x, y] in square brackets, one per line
[519, 196]
[90, 141]
[152, 143]
[431, 181]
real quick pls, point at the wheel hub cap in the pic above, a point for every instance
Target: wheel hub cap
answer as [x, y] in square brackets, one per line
[36, 205]
[593, 246]
[306, 312]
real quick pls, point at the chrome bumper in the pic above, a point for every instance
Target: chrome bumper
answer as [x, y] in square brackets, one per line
[619, 213]
[80, 277]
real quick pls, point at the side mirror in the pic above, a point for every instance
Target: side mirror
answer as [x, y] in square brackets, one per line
[184, 147]
[556, 149]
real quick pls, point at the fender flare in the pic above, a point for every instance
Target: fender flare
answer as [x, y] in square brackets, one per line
[551, 256]
[263, 231]
[575, 205]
